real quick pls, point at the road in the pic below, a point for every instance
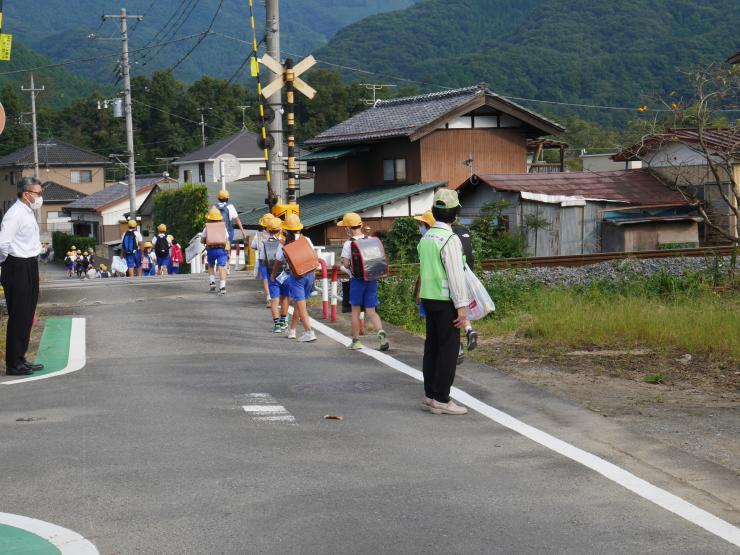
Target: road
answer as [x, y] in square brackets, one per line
[150, 449]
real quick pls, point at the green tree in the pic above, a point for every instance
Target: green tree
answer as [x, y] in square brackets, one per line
[400, 244]
[490, 241]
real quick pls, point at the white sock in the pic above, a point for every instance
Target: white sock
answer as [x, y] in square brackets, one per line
[212, 280]
[222, 284]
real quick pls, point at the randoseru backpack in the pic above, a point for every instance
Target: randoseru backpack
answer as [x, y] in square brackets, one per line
[368, 258]
[129, 244]
[271, 248]
[162, 248]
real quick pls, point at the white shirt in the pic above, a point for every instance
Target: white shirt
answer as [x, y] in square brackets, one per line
[19, 234]
[230, 210]
[259, 239]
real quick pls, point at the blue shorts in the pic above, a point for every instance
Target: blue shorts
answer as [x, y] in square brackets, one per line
[278, 290]
[68, 266]
[363, 293]
[173, 269]
[301, 287]
[163, 262]
[262, 270]
[217, 256]
[133, 260]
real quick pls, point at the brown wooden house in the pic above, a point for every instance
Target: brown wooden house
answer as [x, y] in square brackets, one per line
[445, 136]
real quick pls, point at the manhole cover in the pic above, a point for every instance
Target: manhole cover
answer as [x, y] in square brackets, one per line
[340, 387]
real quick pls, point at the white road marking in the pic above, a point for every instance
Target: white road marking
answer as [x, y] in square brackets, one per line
[76, 359]
[263, 407]
[66, 541]
[626, 479]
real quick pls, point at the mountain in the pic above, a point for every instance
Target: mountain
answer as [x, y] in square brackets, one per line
[305, 26]
[617, 53]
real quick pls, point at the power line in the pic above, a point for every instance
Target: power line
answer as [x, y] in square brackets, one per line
[201, 39]
[187, 11]
[167, 23]
[95, 58]
[146, 12]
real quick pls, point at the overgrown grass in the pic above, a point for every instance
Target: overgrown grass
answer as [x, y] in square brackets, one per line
[661, 313]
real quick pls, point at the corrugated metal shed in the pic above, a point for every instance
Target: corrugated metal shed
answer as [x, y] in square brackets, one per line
[317, 209]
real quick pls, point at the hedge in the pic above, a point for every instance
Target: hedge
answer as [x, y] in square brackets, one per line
[61, 242]
[182, 211]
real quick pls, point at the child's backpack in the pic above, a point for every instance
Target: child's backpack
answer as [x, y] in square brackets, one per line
[271, 247]
[129, 245]
[368, 258]
[162, 248]
[301, 256]
[216, 235]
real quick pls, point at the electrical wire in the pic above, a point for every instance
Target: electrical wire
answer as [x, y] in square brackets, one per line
[187, 12]
[146, 12]
[95, 58]
[167, 23]
[200, 40]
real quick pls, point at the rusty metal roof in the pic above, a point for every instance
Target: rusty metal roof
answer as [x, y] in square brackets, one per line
[636, 187]
[725, 140]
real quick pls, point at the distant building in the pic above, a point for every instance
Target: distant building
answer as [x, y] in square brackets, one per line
[584, 212]
[59, 162]
[605, 163]
[52, 216]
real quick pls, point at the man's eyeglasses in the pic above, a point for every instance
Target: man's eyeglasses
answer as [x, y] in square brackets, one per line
[39, 193]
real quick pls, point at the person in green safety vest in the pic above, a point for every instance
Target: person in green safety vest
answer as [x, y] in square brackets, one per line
[444, 296]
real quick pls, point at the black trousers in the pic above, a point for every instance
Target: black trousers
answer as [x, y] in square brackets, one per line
[20, 281]
[440, 349]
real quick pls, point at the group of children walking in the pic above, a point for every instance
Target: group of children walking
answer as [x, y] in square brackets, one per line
[160, 256]
[79, 263]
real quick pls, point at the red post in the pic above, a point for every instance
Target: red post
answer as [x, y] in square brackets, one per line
[334, 292]
[324, 288]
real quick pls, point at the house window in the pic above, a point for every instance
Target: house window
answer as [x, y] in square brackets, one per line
[394, 170]
[188, 176]
[81, 176]
[201, 172]
[52, 215]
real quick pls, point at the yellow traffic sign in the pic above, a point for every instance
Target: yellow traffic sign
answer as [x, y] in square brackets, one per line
[6, 43]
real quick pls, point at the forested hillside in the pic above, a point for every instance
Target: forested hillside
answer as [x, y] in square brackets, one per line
[619, 52]
[306, 25]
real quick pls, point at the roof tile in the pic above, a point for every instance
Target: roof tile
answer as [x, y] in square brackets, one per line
[58, 153]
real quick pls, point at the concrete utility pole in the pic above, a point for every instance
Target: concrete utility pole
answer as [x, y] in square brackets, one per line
[34, 91]
[202, 131]
[127, 106]
[275, 101]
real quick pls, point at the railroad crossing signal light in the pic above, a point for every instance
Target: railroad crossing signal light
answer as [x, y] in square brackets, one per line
[268, 143]
[269, 114]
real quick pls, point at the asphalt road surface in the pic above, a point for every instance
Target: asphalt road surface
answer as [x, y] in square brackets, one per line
[194, 429]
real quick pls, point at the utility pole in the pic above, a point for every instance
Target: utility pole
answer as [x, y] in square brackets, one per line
[374, 88]
[275, 100]
[127, 105]
[202, 131]
[244, 116]
[34, 91]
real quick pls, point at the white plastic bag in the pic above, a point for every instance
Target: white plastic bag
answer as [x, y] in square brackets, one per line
[481, 303]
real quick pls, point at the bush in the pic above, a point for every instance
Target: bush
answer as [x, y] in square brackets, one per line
[61, 242]
[183, 211]
[403, 236]
[489, 241]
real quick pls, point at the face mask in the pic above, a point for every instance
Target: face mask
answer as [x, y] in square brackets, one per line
[37, 203]
[422, 229]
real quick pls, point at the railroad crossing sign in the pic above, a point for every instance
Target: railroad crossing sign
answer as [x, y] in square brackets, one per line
[288, 74]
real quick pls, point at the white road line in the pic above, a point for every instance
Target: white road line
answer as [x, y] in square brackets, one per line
[626, 479]
[76, 359]
[263, 407]
[66, 541]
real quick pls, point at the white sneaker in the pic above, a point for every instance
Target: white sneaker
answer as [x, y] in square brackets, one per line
[426, 403]
[447, 408]
[291, 334]
[307, 337]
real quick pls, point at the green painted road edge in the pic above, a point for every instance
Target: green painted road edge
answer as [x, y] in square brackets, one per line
[22, 535]
[61, 350]
[22, 542]
[53, 350]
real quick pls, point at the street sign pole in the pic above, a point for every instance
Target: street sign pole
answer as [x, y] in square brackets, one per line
[274, 99]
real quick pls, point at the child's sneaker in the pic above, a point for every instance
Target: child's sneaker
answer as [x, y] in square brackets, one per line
[291, 334]
[307, 337]
[213, 287]
[355, 345]
[472, 339]
[383, 338]
[222, 291]
[277, 328]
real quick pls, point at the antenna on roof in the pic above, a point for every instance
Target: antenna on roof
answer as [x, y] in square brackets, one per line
[374, 87]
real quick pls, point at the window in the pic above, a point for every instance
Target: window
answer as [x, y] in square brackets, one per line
[81, 176]
[188, 176]
[394, 170]
[52, 215]
[201, 172]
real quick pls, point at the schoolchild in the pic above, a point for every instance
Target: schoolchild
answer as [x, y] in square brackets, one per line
[148, 260]
[362, 293]
[104, 273]
[162, 249]
[300, 287]
[69, 263]
[176, 256]
[263, 272]
[217, 247]
[426, 220]
[131, 242]
[279, 292]
[230, 217]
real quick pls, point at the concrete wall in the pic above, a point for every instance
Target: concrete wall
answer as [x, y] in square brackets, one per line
[248, 167]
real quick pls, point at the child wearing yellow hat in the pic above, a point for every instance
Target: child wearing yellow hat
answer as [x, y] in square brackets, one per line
[216, 239]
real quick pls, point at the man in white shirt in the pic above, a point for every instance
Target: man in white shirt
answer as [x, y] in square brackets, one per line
[19, 250]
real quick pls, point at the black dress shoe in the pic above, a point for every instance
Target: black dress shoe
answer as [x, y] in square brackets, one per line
[33, 367]
[19, 371]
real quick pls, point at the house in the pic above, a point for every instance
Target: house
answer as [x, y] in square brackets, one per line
[59, 162]
[51, 216]
[605, 163]
[102, 214]
[584, 212]
[387, 161]
[677, 158]
[202, 165]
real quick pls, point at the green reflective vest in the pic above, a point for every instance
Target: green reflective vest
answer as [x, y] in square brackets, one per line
[434, 284]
